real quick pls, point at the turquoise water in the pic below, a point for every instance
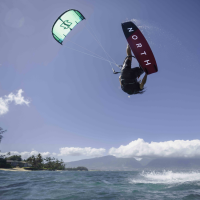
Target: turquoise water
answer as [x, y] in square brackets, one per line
[93, 185]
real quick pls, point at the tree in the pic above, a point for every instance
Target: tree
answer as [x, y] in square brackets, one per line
[15, 157]
[1, 132]
[48, 163]
[1, 136]
[3, 163]
[36, 162]
[33, 161]
[39, 161]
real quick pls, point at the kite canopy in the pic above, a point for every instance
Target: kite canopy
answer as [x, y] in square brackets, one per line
[140, 47]
[65, 23]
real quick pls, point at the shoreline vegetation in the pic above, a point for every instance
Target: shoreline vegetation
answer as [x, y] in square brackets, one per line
[33, 163]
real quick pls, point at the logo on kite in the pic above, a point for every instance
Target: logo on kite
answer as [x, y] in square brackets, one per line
[65, 23]
[140, 47]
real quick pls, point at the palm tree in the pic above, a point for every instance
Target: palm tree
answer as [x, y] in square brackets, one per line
[1, 132]
[39, 161]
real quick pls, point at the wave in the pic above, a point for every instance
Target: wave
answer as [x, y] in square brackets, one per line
[167, 177]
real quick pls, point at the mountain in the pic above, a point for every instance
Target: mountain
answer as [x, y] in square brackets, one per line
[107, 163]
[145, 161]
[128, 164]
[178, 163]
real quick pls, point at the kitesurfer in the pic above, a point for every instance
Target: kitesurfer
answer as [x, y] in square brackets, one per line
[128, 78]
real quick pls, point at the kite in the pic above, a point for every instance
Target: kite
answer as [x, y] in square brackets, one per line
[65, 23]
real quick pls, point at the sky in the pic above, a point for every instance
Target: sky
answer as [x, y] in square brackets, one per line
[61, 102]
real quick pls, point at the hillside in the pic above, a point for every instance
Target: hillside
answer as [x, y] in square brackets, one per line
[107, 163]
[179, 163]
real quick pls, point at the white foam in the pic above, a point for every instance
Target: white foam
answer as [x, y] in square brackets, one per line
[106, 182]
[167, 177]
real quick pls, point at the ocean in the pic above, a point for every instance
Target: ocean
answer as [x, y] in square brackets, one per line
[91, 185]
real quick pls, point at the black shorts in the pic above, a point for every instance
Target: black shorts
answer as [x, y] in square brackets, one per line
[128, 72]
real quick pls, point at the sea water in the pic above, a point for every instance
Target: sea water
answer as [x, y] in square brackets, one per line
[91, 185]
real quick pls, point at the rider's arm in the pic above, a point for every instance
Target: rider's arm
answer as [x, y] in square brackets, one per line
[143, 82]
[120, 80]
[128, 52]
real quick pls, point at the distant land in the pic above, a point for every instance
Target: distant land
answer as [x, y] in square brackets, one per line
[107, 163]
[128, 164]
[178, 163]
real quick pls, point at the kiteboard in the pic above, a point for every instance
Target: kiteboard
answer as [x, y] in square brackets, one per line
[140, 47]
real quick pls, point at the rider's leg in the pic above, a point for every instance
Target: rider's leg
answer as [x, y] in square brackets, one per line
[125, 72]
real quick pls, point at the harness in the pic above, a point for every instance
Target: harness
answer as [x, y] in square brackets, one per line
[120, 66]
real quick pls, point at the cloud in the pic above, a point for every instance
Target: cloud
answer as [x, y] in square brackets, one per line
[27, 154]
[76, 151]
[66, 151]
[139, 148]
[6, 100]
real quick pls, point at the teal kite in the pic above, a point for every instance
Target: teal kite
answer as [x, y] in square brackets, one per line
[65, 23]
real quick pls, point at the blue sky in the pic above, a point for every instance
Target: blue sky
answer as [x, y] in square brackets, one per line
[74, 99]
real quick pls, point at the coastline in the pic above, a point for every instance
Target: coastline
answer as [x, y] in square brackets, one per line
[14, 169]
[22, 169]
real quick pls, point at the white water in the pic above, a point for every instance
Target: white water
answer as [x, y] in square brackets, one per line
[167, 177]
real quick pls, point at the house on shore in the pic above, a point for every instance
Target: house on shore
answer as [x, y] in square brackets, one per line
[15, 163]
